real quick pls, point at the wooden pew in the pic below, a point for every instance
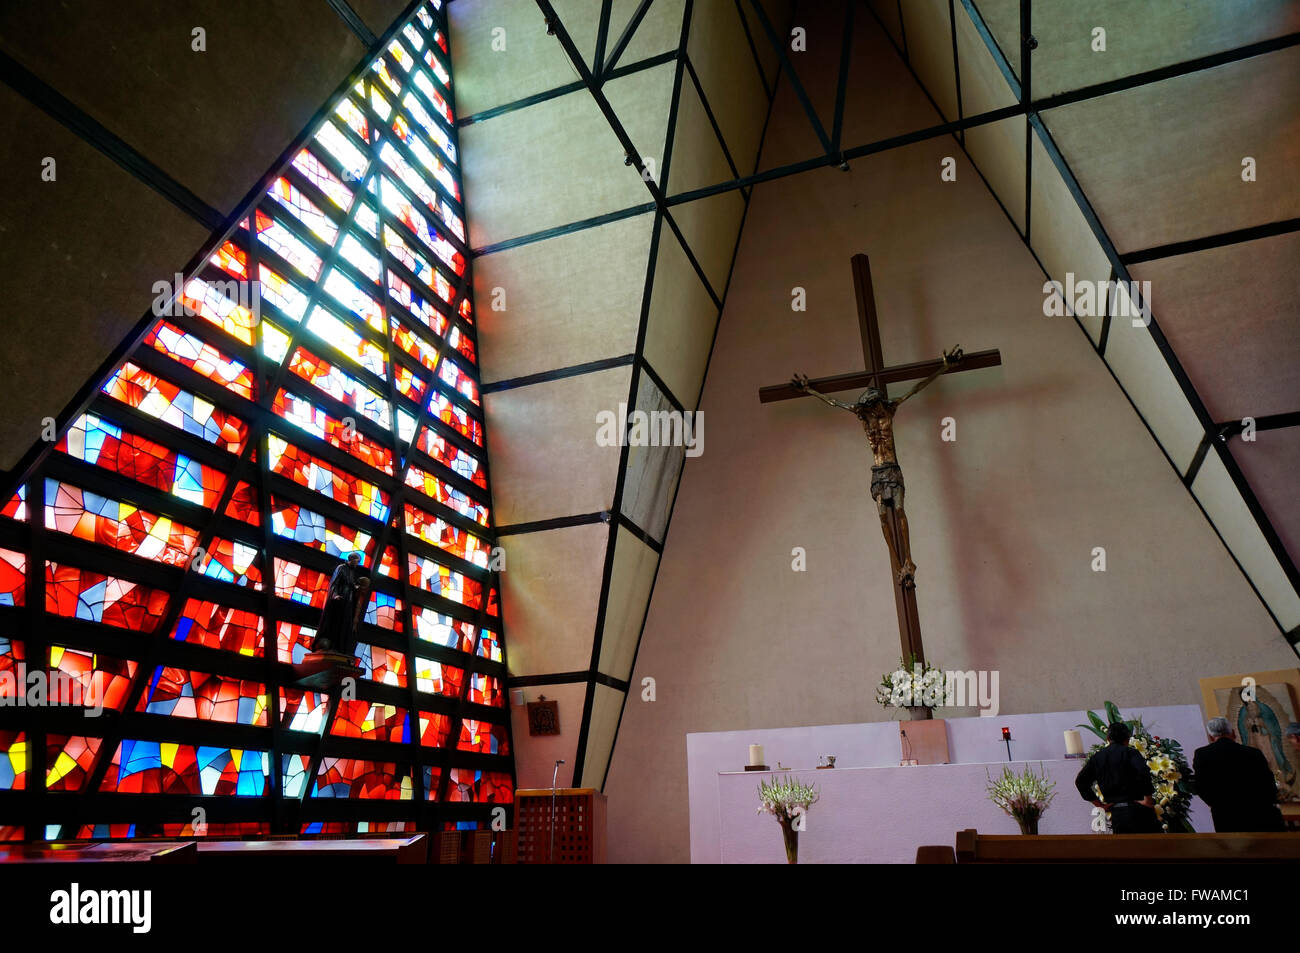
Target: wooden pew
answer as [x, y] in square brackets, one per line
[975, 848]
[935, 854]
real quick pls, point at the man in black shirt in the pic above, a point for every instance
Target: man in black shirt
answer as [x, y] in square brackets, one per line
[1236, 782]
[1125, 783]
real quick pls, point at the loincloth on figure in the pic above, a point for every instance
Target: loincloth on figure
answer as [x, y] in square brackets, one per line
[886, 482]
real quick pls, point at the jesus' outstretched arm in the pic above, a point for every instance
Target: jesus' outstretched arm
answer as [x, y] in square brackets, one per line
[950, 359]
[800, 382]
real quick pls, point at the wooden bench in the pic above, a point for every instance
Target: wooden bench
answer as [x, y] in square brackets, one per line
[975, 848]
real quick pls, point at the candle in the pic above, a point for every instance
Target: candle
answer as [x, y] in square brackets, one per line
[755, 754]
[1073, 743]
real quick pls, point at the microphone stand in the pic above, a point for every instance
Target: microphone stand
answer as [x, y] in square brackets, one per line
[550, 854]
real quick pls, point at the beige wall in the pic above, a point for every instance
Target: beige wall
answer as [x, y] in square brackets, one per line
[1050, 461]
[581, 297]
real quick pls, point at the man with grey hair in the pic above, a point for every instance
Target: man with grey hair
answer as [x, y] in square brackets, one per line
[1235, 781]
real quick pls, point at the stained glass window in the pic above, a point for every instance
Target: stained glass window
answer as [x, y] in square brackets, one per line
[309, 391]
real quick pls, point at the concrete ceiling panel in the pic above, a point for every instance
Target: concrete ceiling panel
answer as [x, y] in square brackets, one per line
[929, 48]
[81, 256]
[1176, 179]
[606, 710]
[558, 161]
[214, 119]
[997, 148]
[1232, 315]
[559, 309]
[1270, 463]
[1144, 373]
[1060, 235]
[550, 591]
[630, 583]
[730, 78]
[1218, 495]
[652, 471]
[542, 444]
[531, 62]
[682, 319]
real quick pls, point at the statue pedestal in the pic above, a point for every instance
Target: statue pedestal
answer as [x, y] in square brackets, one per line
[321, 671]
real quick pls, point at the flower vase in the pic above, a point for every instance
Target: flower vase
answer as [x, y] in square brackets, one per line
[1028, 825]
[791, 837]
[919, 712]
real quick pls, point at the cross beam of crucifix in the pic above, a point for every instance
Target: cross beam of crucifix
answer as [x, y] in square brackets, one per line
[876, 411]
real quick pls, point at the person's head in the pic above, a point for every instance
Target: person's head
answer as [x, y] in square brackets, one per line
[1218, 728]
[354, 559]
[872, 395]
[1292, 733]
[1119, 733]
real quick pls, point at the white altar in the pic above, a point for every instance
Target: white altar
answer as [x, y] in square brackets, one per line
[871, 810]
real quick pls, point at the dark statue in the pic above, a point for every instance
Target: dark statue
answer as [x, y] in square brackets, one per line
[344, 604]
[876, 412]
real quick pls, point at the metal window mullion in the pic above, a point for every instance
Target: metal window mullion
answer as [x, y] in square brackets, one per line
[237, 473]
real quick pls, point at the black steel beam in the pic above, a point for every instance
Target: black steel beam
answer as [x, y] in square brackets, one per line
[1235, 428]
[602, 38]
[713, 121]
[554, 232]
[749, 39]
[1236, 236]
[45, 97]
[354, 22]
[956, 67]
[624, 39]
[778, 44]
[842, 84]
[563, 90]
[555, 522]
[1162, 73]
[559, 373]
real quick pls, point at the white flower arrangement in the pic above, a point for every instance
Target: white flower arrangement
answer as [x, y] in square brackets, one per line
[786, 799]
[1024, 796]
[920, 685]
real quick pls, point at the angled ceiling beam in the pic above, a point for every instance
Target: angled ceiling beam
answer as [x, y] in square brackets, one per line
[623, 40]
[1221, 240]
[841, 86]
[54, 104]
[555, 92]
[753, 50]
[1234, 428]
[779, 46]
[602, 37]
[1174, 70]
[353, 21]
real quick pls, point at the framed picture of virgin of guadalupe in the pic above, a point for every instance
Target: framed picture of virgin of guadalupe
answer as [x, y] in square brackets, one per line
[1259, 706]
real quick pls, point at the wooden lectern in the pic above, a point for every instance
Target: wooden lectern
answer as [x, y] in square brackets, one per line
[925, 742]
[579, 826]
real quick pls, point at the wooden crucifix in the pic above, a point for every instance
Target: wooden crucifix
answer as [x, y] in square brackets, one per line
[876, 411]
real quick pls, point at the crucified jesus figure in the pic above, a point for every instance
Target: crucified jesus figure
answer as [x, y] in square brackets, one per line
[876, 411]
